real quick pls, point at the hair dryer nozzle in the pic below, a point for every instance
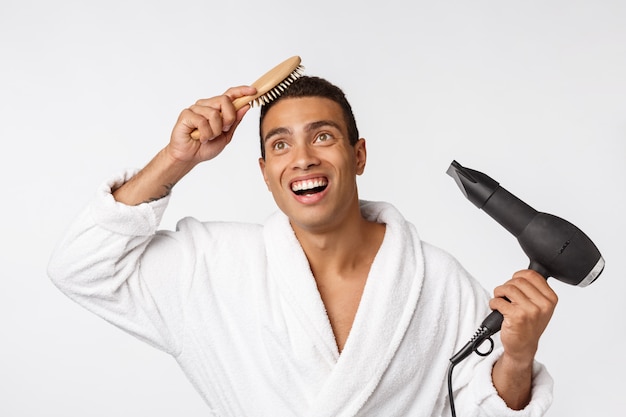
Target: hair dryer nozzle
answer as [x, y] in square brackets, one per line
[476, 186]
[486, 194]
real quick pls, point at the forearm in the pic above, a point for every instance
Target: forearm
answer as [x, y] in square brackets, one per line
[513, 381]
[153, 182]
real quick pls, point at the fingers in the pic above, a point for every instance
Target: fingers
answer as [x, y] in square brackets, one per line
[526, 288]
[526, 314]
[240, 91]
[213, 116]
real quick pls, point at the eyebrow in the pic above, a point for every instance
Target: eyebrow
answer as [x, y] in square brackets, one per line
[321, 123]
[309, 127]
[276, 131]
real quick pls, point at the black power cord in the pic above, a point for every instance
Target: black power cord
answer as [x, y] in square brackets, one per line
[450, 391]
[482, 334]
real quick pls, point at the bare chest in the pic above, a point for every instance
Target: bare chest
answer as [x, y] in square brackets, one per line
[341, 299]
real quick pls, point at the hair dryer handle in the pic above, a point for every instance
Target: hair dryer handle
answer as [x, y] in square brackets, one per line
[493, 322]
[537, 267]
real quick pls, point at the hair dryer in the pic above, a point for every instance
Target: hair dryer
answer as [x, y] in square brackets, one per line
[556, 248]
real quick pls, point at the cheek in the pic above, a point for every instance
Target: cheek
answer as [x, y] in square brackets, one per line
[351, 165]
[272, 179]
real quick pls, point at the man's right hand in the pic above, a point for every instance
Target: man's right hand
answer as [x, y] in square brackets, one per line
[216, 121]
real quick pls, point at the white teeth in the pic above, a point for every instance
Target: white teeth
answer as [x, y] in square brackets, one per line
[308, 184]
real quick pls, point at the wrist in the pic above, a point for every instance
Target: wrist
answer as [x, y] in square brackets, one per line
[512, 379]
[154, 181]
[171, 169]
[171, 159]
[516, 364]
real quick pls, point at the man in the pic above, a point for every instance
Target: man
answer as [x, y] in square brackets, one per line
[333, 307]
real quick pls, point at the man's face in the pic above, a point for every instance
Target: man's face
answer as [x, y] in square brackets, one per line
[310, 166]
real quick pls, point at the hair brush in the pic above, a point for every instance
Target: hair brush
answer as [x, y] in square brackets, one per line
[269, 86]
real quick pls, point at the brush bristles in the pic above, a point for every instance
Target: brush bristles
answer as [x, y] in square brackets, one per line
[275, 92]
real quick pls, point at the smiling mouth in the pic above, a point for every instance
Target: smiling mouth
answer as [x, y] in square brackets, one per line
[310, 186]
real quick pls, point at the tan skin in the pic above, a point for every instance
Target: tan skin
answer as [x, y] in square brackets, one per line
[307, 139]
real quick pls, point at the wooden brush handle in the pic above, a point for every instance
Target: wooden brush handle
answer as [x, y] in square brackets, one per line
[268, 82]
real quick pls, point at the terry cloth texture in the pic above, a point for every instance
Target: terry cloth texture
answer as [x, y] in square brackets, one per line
[238, 308]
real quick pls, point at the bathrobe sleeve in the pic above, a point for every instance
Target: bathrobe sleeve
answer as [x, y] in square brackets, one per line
[101, 260]
[486, 402]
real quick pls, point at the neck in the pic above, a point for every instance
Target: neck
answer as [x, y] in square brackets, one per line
[343, 249]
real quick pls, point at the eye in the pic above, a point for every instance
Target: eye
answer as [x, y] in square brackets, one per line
[279, 145]
[323, 137]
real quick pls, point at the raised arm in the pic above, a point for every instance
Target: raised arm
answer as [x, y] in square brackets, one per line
[215, 119]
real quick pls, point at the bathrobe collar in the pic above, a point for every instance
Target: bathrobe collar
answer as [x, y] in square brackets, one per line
[385, 311]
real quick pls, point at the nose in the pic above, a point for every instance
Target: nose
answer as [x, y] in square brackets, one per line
[305, 157]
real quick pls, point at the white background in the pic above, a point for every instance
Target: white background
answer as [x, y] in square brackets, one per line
[533, 93]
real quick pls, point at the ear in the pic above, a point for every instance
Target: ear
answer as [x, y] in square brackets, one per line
[360, 155]
[262, 166]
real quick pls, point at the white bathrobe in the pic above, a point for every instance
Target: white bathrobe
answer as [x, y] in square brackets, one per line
[238, 308]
